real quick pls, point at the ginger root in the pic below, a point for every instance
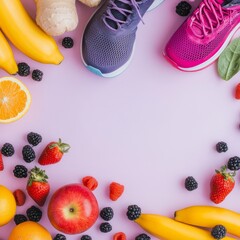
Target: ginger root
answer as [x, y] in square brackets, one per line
[56, 17]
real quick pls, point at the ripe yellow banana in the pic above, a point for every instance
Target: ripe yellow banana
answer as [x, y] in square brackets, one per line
[7, 61]
[209, 216]
[168, 229]
[24, 33]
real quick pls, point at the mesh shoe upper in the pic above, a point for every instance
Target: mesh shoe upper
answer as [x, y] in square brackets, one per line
[202, 35]
[109, 36]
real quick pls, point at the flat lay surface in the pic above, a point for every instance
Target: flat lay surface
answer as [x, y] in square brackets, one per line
[147, 129]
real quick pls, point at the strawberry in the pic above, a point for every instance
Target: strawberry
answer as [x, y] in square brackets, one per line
[222, 183]
[38, 188]
[53, 152]
[237, 91]
[1, 163]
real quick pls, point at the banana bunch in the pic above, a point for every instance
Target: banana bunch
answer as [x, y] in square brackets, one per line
[209, 216]
[23, 32]
[168, 229]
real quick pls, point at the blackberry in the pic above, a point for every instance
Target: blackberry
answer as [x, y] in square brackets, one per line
[86, 237]
[233, 163]
[190, 183]
[67, 42]
[28, 153]
[133, 212]
[20, 171]
[142, 236]
[219, 232]
[183, 8]
[59, 237]
[23, 69]
[37, 75]
[106, 213]
[34, 138]
[105, 227]
[7, 150]
[19, 218]
[221, 147]
[34, 214]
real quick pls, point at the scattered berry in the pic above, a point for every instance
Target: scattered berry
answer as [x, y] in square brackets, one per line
[105, 227]
[233, 163]
[20, 171]
[7, 150]
[86, 237]
[19, 218]
[59, 237]
[90, 182]
[237, 91]
[37, 75]
[190, 183]
[67, 42]
[19, 196]
[106, 213]
[219, 232]
[119, 236]
[221, 147]
[34, 214]
[1, 163]
[34, 138]
[28, 154]
[116, 190]
[133, 212]
[183, 8]
[23, 69]
[142, 236]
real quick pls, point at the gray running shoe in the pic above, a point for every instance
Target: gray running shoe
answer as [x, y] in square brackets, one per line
[108, 39]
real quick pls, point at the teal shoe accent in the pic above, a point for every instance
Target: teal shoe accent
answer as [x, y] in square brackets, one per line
[94, 70]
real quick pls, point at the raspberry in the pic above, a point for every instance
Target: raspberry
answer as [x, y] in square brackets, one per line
[219, 232]
[1, 163]
[86, 237]
[28, 154]
[119, 236]
[116, 190]
[142, 236]
[234, 163]
[105, 227]
[237, 91]
[59, 237]
[7, 150]
[106, 213]
[34, 214]
[67, 42]
[133, 212]
[190, 183]
[34, 138]
[37, 75]
[23, 69]
[19, 218]
[183, 8]
[19, 196]
[221, 147]
[20, 171]
[90, 182]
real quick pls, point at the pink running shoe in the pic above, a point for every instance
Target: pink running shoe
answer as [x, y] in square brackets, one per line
[203, 36]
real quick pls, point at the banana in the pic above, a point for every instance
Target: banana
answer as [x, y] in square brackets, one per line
[24, 33]
[168, 229]
[7, 61]
[209, 216]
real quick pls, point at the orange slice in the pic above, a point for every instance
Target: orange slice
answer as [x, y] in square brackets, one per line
[15, 99]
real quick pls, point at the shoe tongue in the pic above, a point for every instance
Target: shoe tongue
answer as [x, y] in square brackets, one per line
[118, 15]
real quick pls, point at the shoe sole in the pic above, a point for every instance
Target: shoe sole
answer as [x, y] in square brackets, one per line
[210, 60]
[118, 71]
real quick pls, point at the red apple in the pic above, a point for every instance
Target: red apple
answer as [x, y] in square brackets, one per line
[73, 209]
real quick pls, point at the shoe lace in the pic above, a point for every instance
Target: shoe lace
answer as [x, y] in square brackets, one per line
[208, 17]
[118, 11]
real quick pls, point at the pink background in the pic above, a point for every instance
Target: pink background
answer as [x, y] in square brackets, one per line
[148, 128]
